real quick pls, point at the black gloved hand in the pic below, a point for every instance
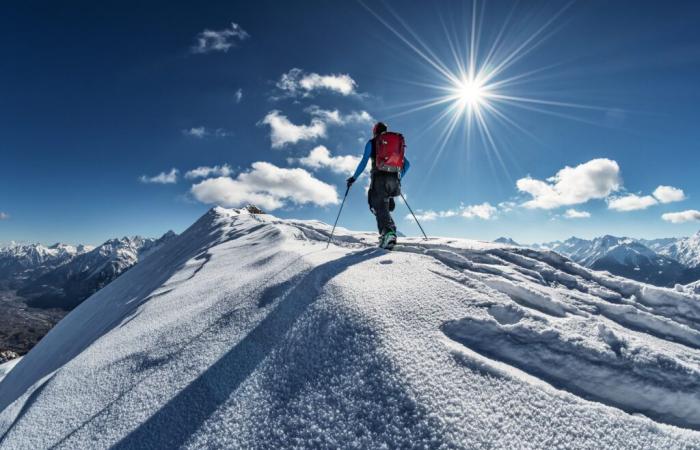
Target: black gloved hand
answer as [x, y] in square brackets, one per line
[350, 181]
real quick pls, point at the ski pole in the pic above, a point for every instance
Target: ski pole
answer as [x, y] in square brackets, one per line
[336, 219]
[414, 216]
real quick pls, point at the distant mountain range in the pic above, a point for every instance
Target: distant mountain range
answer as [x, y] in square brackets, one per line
[40, 284]
[20, 263]
[62, 276]
[68, 284]
[662, 262]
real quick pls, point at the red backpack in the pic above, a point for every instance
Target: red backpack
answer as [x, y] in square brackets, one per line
[390, 148]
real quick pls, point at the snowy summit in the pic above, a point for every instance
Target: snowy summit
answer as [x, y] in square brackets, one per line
[246, 332]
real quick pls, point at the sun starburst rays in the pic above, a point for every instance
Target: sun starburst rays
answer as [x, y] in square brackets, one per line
[481, 90]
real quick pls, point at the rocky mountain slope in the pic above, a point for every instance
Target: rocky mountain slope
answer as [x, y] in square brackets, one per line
[246, 332]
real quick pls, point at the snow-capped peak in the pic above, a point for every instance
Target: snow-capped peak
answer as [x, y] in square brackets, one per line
[506, 241]
[685, 250]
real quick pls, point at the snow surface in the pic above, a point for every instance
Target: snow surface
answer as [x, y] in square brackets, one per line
[246, 332]
[692, 288]
[7, 366]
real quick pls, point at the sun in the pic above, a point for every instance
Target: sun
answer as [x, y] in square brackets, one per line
[469, 93]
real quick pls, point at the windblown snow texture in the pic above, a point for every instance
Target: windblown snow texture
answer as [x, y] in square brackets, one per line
[244, 332]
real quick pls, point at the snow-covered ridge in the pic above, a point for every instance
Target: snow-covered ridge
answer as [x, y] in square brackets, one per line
[245, 331]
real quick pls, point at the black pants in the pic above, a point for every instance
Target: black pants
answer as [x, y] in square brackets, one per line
[384, 186]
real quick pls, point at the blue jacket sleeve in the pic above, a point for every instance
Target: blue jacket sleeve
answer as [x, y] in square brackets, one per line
[363, 161]
[406, 166]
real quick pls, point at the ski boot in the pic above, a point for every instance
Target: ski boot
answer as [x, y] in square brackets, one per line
[387, 240]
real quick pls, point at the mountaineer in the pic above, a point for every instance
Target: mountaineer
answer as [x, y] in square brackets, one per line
[389, 165]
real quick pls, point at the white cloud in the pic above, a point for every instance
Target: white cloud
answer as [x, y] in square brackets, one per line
[161, 178]
[198, 132]
[4, 216]
[594, 179]
[342, 83]
[219, 41]
[320, 157]
[432, 215]
[669, 194]
[576, 214]
[484, 211]
[296, 82]
[205, 171]
[266, 186]
[682, 216]
[283, 131]
[238, 95]
[336, 118]
[202, 132]
[426, 216]
[631, 202]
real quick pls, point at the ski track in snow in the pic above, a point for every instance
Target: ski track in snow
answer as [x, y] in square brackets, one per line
[244, 332]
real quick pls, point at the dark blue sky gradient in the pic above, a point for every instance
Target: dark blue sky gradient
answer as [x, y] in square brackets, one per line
[94, 95]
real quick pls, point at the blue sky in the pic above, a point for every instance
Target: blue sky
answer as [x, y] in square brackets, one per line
[97, 100]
